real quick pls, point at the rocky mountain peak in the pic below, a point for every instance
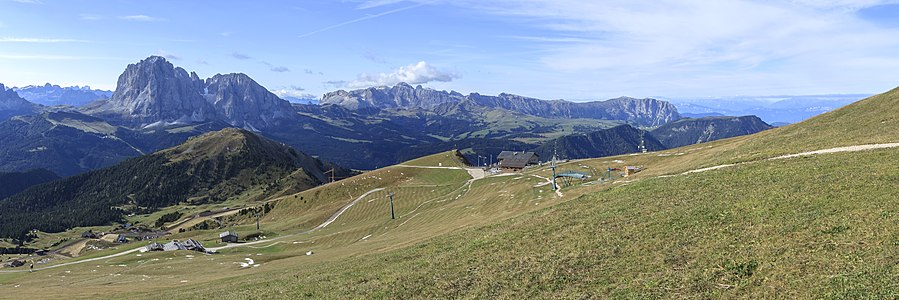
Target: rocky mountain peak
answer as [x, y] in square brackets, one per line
[155, 92]
[242, 102]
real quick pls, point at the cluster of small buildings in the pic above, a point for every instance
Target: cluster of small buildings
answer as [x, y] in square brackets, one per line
[189, 244]
[133, 233]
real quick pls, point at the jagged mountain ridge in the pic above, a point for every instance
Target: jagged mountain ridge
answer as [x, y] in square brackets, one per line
[155, 93]
[51, 95]
[244, 103]
[644, 112]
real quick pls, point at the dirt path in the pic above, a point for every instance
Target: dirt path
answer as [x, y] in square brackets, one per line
[430, 167]
[855, 148]
[550, 182]
[76, 262]
[320, 226]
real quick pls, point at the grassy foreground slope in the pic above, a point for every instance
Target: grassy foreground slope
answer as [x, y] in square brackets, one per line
[800, 228]
[811, 227]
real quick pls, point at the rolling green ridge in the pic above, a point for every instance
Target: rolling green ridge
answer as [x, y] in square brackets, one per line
[207, 169]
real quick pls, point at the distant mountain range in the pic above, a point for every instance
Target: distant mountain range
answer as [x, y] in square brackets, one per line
[11, 104]
[771, 109]
[644, 112]
[158, 105]
[52, 95]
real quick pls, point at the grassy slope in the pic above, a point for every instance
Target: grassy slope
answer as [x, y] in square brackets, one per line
[763, 230]
[773, 219]
[869, 121]
[429, 202]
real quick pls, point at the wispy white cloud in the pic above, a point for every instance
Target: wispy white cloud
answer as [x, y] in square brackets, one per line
[293, 91]
[678, 46]
[418, 73]
[376, 3]
[38, 40]
[274, 68]
[141, 18]
[357, 20]
[168, 55]
[240, 56]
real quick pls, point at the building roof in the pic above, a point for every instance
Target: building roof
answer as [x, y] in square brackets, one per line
[505, 154]
[519, 160]
[227, 233]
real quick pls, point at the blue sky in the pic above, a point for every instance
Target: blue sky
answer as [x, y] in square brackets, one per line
[550, 49]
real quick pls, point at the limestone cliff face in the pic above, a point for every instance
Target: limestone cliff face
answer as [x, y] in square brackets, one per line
[153, 91]
[401, 95]
[243, 103]
[645, 112]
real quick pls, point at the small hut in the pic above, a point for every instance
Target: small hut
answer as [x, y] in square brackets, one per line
[121, 239]
[89, 234]
[631, 170]
[228, 237]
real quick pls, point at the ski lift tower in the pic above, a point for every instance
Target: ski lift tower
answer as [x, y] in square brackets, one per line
[552, 165]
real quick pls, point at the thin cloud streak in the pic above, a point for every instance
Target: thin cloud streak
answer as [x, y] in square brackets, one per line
[368, 17]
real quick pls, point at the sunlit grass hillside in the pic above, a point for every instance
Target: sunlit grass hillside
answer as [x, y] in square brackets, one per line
[821, 226]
